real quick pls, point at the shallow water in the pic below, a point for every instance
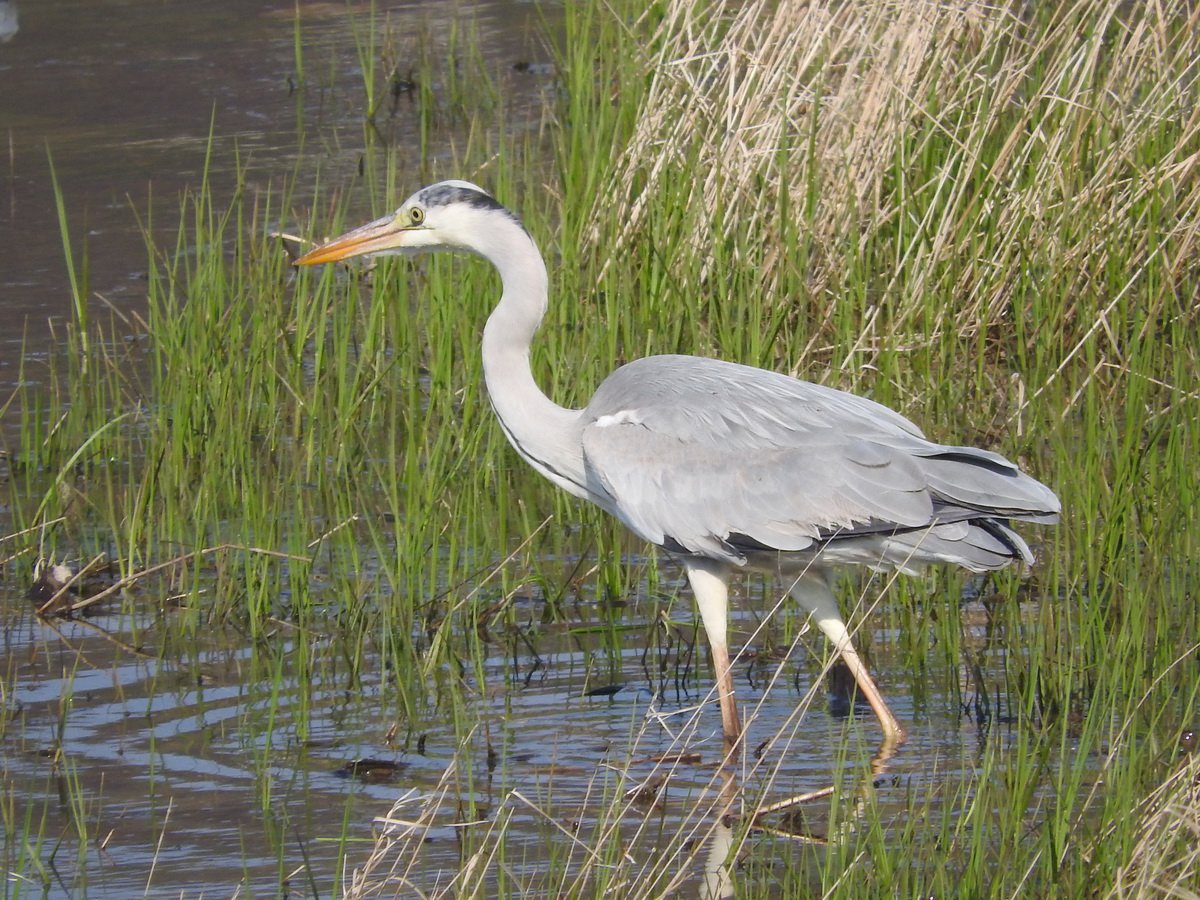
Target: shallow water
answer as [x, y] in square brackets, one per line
[203, 767]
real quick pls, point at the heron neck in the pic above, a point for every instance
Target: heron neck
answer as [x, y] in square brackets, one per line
[543, 433]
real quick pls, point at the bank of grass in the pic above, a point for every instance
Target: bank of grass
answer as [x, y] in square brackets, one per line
[984, 216]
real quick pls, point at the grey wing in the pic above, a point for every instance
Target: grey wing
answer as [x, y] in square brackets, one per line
[718, 460]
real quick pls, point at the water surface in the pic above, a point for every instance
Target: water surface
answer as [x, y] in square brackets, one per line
[205, 767]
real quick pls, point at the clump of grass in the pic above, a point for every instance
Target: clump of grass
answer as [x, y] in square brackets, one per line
[1165, 858]
[912, 151]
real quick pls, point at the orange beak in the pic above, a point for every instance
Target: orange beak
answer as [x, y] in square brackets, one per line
[374, 237]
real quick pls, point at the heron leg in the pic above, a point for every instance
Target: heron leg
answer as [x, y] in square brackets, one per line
[710, 585]
[812, 591]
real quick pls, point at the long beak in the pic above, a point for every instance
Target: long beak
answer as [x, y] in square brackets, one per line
[374, 237]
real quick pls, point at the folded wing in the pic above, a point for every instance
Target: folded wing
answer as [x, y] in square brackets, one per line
[720, 460]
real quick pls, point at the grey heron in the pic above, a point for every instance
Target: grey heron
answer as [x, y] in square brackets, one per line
[725, 466]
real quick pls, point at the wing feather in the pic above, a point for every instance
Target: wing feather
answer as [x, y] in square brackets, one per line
[717, 459]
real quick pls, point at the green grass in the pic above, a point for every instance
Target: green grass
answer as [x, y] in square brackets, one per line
[987, 219]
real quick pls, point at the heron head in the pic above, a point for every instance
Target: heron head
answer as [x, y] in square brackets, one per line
[446, 215]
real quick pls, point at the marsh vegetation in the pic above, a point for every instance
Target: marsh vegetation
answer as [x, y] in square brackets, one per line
[295, 519]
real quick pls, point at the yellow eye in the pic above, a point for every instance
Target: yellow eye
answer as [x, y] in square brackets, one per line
[416, 215]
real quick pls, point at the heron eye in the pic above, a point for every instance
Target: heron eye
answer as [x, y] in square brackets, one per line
[416, 215]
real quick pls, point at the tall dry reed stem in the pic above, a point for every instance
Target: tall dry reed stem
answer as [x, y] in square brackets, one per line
[820, 106]
[1165, 861]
